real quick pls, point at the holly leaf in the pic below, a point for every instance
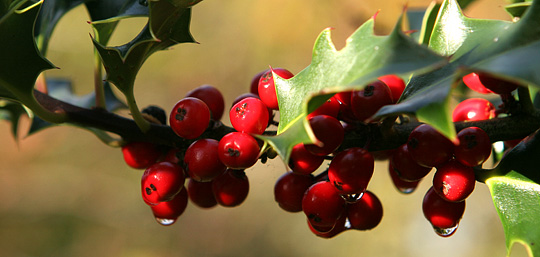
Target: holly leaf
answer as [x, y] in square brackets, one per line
[105, 15]
[49, 15]
[168, 25]
[184, 3]
[472, 45]
[17, 76]
[515, 189]
[365, 57]
[12, 111]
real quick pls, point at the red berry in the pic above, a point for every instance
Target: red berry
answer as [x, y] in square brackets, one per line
[289, 190]
[238, 150]
[473, 109]
[202, 161]
[428, 147]
[249, 115]
[366, 213]
[472, 81]
[161, 182]
[440, 213]
[351, 170]
[405, 166]
[338, 227]
[454, 181]
[201, 194]
[267, 88]
[323, 205]
[396, 85]
[166, 213]
[254, 85]
[329, 131]
[174, 155]
[474, 146]
[212, 97]
[231, 188]
[330, 107]
[304, 162]
[172, 209]
[401, 185]
[140, 155]
[345, 110]
[190, 117]
[365, 103]
[498, 86]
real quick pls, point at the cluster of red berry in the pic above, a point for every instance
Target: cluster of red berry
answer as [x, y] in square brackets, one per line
[337, 198]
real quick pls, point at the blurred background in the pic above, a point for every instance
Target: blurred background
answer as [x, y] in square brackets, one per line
[64, 193]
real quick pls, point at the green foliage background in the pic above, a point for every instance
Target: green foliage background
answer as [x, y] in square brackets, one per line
[64, 193]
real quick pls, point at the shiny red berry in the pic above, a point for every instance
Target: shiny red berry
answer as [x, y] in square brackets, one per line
[254, 85]
[323, 205]
[366, 102]
[304, 162]
[140, 155]
[201, 194]
[345, 110]
[454, 181]
[330, 133]
[330, 107]
[161, 182]
[166, 213]
[396, 85]
[267, 88]
[327, 233]
[238, 150]
[289, 190]
[401, 185]
[472, 81]
[212, 97]
[249, 115]
[474, 146]
[202, 160]
[366, 213]
[473, 109]
[189, 117]
[405, 166]
[442, 214]
[231, 188]
[497, 85]
[350, 171]
[428, 147]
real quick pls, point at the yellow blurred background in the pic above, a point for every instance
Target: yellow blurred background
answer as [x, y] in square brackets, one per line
[64, 193]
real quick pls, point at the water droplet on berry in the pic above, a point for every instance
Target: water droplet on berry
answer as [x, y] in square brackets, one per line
[353, 198]
[165, 222]
[406, 190]
[445, 232]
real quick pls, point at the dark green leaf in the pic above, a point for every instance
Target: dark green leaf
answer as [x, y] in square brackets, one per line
[472, 45]
[49, 15]
[22, 60]
[167, 26]
[12, 111]
[517, 9]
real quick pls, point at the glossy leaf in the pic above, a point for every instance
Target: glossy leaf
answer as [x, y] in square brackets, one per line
[12, 111]
[472, 45]
[17, 76]
[364, 58]
[517, 200]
